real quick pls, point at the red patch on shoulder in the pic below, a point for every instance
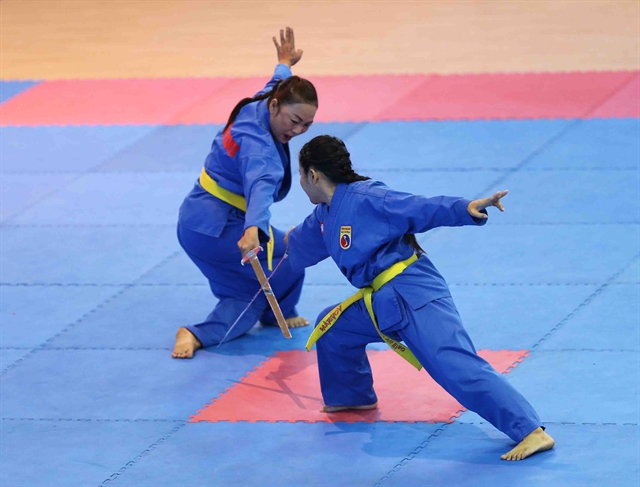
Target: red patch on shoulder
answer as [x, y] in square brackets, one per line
[230, 145]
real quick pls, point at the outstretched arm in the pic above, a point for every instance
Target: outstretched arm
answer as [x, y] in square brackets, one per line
[408, 213]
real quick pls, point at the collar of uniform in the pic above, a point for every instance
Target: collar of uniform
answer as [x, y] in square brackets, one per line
[263, 115]
[336, 199]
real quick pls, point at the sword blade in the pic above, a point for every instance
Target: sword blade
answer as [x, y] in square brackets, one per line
[251, 302]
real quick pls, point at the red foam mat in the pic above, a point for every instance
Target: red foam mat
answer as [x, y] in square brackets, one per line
[286, 388]
[509, 96]
[342, 98]
[625, 103]
[107, 102]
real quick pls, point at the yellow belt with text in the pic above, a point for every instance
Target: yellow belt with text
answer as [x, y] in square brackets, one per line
[365, 293]
[211, 187]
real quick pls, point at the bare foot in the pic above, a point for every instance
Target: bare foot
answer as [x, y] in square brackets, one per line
[297, 322]
[534, 442]
[335, 409]
[186, 344]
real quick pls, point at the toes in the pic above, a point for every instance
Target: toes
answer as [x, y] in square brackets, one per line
[182, 354]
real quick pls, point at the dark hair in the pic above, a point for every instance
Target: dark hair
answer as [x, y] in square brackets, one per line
[330, 156]
[288, 92]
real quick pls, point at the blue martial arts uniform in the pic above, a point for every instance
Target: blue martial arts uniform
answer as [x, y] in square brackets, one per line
[363, 232]
[246, 160]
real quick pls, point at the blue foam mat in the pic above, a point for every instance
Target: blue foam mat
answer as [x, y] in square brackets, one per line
[67, 148]
[32, 314]
[515, 317]
[468, 455]
[9, 357]
[184, 147]
[178, 269]
[265, 455]
[21, 191]
[631, 275]
[118, 384]
[73, 452]
[458, 145]
[141, 317]
[532, 254]
[9, 89]
[587, 197]
[600, 143]
[611, 321]
[581, 386]
[113, 255]
[148, 317]
[529, 268]
[168, 148]
[113, 199]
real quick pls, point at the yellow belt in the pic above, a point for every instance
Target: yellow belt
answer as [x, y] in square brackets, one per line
[365, 293]
[211, 187]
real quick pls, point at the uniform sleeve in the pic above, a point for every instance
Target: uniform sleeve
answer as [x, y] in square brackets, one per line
[306, 243]
[261, 176]
[409, 213]
[281, 72]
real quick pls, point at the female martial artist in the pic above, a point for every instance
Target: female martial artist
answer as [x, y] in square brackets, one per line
[368, 230]
[247, 170]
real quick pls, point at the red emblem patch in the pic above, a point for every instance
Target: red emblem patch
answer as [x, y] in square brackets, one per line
[345, 237]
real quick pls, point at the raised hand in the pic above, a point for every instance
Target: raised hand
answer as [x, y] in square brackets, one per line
[476, 206]
[287, 53]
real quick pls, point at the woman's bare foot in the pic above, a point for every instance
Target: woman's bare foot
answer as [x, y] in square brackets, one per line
[186, 344]
[297, 322]
[335, 409]
[534, 442]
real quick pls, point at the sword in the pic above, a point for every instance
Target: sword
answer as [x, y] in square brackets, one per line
[252, 257]
[251, 302]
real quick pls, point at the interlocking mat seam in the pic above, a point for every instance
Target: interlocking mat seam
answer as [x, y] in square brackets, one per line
[43, 345]
[144, 453]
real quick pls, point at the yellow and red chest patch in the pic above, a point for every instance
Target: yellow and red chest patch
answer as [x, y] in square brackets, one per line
[345, 237]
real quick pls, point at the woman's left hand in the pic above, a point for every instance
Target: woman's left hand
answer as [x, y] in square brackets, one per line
[476, 206]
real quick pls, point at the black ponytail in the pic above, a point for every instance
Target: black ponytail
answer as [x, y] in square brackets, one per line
[289, 91]
[330, 156]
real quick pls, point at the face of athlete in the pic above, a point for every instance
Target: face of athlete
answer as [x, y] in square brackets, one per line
[289, 121]
[309, 183]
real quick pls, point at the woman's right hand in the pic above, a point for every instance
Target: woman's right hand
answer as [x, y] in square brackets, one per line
[249, 240]
[287, 53]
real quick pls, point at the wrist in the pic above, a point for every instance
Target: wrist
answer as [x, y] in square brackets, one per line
[469, 206]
